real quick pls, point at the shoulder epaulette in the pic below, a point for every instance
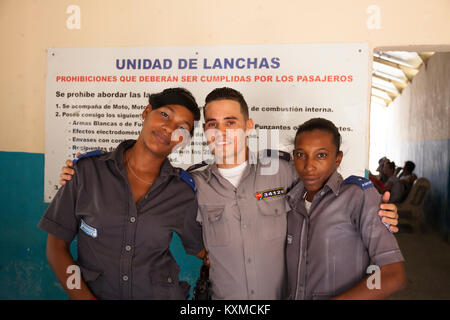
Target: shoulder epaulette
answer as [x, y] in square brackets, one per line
[186, 177]
[360, 181]
[281, 154]
[196, 166]
[89, 154]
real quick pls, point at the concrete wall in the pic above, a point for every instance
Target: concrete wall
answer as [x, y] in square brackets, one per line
[416, 127]
[29, 27]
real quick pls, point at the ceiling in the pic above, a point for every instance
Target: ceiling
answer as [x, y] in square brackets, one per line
[392, 72]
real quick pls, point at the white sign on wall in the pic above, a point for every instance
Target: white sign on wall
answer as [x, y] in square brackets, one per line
[95, 96]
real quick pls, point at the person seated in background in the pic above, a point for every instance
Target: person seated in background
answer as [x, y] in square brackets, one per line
[381, 164]
[381, 179]
[407, 177]
[393, 184]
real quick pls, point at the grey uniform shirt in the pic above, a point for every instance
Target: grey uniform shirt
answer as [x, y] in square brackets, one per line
[244, 230]
[329, 249]
[123, 247]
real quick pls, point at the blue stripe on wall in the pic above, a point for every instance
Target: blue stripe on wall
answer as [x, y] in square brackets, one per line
[24, 270]
[432, 161]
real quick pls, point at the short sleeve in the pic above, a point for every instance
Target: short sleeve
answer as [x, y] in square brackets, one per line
[59, 219]
[381, 244]
[191, 233]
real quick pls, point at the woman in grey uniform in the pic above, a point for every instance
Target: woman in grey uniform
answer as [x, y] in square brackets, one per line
[124, 207]
[334, 231]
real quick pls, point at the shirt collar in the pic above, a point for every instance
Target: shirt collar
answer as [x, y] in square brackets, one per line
[253, 162]
[298, 191]
[117, 156]
[334, 183]
[213, 169]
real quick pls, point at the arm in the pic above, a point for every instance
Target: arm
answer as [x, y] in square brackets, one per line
[59, 258]
[67, 171]
[383, 251]
[61, 224]
[392, 279]
[201, 254]
[387, 186]
[409, 180]
[388, 212]
[204, 256]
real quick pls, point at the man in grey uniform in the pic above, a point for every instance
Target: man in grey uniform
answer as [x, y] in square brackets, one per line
[242, 211]
[244, 230]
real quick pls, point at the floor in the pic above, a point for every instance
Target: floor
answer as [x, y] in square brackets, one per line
[427, 264]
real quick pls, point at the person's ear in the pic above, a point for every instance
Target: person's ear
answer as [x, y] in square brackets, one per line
[146, 111]
[249, 124]
[339, 157]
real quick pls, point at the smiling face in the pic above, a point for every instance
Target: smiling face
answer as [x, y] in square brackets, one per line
[226, 131]
[165, 127]
[316, 158]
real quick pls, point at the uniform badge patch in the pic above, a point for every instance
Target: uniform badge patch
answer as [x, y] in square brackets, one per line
[277, 192]
[90, 231]
[93, 153]
[360, 181]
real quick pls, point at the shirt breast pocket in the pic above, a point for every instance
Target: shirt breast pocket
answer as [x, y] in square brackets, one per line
[273, 216]
[216, 227]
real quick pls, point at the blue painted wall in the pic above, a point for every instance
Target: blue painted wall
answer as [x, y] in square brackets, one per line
[24, 270]
[432, 161]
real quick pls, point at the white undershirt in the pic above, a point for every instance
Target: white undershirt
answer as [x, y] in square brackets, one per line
[307, 206]
[234, 175]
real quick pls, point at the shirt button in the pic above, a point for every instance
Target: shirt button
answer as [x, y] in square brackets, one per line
[132, 219]
[169, 280]
[252, 292]
[125, 278]
[249, 260]
[128, 248]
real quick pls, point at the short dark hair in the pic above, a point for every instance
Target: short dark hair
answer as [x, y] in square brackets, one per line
[179, 96]
[321, 124]
[410, 166]
[226, 93]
